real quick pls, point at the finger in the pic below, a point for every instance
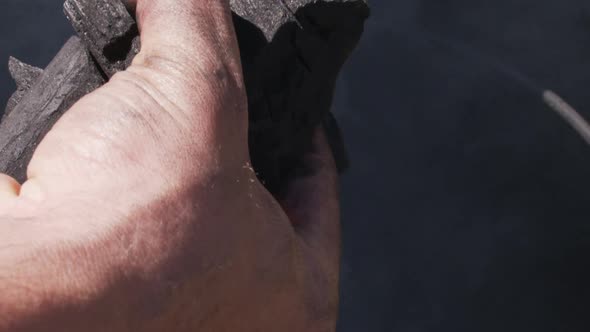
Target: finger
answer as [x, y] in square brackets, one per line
[312, 200]
[194, 40]
[9, 187]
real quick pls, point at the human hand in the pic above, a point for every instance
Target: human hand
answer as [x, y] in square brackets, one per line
[141, 211]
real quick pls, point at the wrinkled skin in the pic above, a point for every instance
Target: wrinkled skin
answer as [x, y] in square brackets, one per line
[141, 211]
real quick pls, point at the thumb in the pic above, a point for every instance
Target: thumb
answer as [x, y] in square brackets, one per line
[180, 104]
[190, 51]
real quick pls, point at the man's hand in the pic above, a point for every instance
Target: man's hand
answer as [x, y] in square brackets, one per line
[141, 211]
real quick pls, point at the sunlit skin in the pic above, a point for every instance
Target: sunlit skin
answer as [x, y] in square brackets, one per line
[141, 211]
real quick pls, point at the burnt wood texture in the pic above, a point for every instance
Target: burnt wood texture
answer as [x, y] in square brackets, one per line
[25, 76]
[107, 29]
[291, 50]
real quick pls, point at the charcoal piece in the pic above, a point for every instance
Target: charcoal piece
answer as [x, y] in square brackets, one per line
[107, 29]
[292, 52]
[70, 75]
[24, 76]
[269, 16]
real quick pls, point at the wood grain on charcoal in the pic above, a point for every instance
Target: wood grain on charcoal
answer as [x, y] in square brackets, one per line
[107, 29]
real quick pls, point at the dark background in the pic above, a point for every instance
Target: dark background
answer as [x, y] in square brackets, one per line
[467, 205]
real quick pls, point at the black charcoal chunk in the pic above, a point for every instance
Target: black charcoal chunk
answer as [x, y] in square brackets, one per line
[270, 15]
[24, 76]
[292, 52]
[107, 29]
[70, 75]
